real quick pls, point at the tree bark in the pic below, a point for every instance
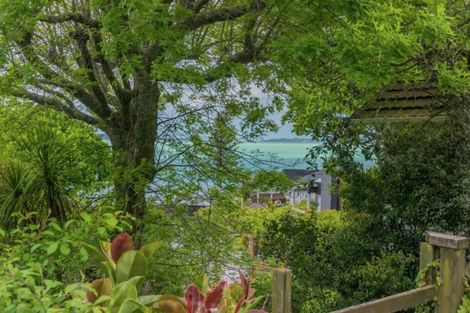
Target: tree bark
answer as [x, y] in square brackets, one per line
[132, 131]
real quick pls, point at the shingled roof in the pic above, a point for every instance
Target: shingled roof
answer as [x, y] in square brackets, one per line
[294, 173]
[403, 102]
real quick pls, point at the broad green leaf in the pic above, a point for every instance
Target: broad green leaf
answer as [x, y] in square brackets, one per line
[132, 263]
[97, 257]
[64, 249]
[132, 306]
[109, 271]
[149, 249]
[149, 299]
[55, 226]
[83, 254]
[52, 248]
[68, 223]
[123, 291]
[86, 217]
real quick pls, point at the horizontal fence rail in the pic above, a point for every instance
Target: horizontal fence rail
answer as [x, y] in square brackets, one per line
[448, 251]
[398, 302]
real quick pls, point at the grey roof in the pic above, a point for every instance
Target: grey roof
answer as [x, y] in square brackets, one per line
[294, 173]
[400, 101]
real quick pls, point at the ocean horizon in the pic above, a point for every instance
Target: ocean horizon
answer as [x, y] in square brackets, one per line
[280, 154]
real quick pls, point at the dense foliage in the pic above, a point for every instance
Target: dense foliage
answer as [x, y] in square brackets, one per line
[139, 106]
[48, 165]
[335, 259]
[420, 182]
[43, 266]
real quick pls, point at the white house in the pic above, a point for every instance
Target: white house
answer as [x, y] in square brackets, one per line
[312, 185]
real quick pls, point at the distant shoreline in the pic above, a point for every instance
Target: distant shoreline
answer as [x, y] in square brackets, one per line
[288, 140]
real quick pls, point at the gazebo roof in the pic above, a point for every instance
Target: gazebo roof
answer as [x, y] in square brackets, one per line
[401, 102]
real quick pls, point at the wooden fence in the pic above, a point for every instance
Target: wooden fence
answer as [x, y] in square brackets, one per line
[448, 249]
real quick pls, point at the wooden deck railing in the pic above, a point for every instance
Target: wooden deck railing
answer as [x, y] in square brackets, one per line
[449, 249]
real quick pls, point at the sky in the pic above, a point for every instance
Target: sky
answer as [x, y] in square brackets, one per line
[285, 131]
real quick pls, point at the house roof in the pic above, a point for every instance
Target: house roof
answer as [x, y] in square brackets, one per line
[294, 173]
[419, 100]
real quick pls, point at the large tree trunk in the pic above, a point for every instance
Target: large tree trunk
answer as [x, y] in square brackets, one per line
[133, 133]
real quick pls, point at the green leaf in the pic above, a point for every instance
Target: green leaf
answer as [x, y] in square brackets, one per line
[132, 263]
[68, 223]
[149, 249]
[108, 270]
[132, 306]
[83, 254]
[102, 299]
[110, 220]
[97, 257]
[149, 299]
[122, 292]
[52, 248]
[101, 232]
[35, 247]
[203, 283]
[70, 288]
[64, 249]
[86, 217]
[55, 226]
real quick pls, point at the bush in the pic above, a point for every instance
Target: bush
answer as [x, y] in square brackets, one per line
[53, 245]
[335, 262]
[24, 288]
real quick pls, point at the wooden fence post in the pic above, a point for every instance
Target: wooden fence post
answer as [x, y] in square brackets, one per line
[427, 254]
[282, 289]
[451, 269]
[251, 245]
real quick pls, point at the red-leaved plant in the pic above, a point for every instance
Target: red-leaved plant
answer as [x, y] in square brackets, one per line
[220, 299]
[120, 244]
[125, 269]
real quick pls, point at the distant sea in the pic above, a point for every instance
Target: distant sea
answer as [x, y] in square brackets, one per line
[275, 154]
[279, 155]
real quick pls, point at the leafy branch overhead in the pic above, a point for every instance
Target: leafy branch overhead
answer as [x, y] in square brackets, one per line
[121, 66]
[98, 54]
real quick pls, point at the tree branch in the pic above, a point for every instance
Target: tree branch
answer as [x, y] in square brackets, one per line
[53, 78]
[200, 5]
[70, 17]
[87, 62]
[124, 95]
[211, 17]
[55, 104]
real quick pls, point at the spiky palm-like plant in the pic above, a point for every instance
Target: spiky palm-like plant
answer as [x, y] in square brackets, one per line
[40, 180]
[15, 192]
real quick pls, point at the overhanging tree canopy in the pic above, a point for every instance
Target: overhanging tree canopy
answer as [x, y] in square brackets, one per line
[123, 65]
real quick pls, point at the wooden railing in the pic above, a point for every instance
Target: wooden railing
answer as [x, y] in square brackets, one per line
[448, 249]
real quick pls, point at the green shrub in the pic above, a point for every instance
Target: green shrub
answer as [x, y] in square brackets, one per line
[335, 262]
[25, 289]
[42, 268]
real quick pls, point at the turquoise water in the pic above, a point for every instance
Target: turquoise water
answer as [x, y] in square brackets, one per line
[272, 155]
[276, 154]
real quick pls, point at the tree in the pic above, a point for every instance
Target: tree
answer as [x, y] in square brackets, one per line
[366, 46]
[420, 182]
[135, 69]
